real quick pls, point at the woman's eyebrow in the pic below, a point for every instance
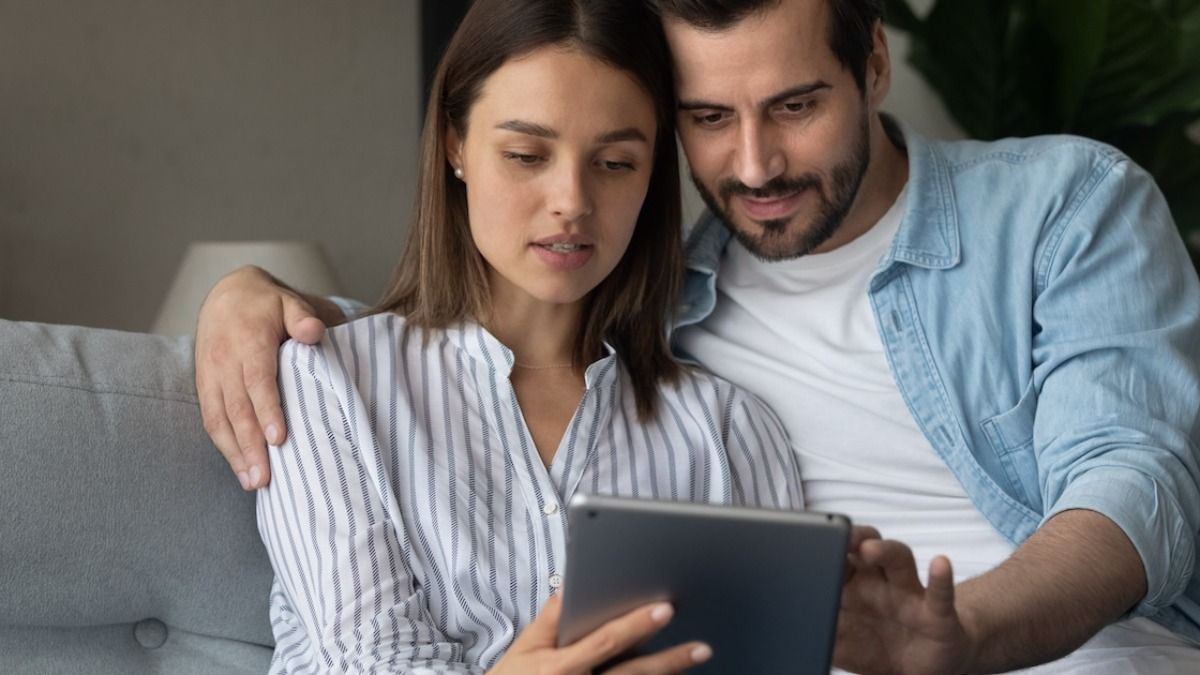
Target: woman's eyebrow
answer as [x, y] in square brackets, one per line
[527, 128]
[540, 131]
[626, 134]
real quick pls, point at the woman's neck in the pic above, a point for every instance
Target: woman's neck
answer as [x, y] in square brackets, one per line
[539, 334]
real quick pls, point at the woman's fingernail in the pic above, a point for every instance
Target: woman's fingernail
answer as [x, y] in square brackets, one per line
[255, 474]
[701, 654]
[272, 434]
[244, 480]
[662, 613]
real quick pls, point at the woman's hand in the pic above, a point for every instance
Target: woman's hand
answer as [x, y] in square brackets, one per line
[534, 651]
[245, 318]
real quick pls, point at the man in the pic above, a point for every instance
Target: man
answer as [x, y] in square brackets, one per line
[988, 351]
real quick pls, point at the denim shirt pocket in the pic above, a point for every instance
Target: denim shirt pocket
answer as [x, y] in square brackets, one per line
[1011, 436]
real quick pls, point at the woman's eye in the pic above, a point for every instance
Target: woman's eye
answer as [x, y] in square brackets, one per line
[522, 158]
[617, 166]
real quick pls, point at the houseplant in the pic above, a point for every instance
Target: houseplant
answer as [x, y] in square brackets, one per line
[1125, 72]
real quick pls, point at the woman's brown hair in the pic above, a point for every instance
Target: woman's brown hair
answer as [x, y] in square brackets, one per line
[442, 279]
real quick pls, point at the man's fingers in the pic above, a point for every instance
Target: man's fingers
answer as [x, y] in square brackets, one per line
[894, 558]
[240, 411]
[259, 374]
[216, 424]
[674, 660]
[542, 632]
[617, 636]
[859, 534]
[940, 593]
[300, 320]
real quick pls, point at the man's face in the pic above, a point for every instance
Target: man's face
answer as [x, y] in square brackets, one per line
[775, 128]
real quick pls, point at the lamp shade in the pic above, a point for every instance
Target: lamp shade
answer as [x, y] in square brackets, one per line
[302, 265]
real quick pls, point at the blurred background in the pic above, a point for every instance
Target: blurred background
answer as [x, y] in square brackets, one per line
[132, 128]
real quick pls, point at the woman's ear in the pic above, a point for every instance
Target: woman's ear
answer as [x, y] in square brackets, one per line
[454, 150]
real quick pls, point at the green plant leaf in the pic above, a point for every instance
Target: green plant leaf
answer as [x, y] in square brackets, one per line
[1140, 58]
[900, 15]
[1126, 72]
[959, 53]
[1031, 91]
[1173, 97]
[1078, 29]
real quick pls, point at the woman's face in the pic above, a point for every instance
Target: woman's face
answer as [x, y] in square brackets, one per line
[557, 159]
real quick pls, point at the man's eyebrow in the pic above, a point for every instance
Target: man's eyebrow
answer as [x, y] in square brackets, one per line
[528, 128]
[798, 90]
[626, 134]
[702, 105]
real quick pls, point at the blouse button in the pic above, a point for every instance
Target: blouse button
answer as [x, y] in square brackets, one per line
[550, 508]
[555, 580]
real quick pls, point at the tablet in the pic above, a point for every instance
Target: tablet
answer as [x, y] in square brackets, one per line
[761, 587]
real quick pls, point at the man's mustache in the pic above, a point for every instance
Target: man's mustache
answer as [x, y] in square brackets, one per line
[779, 186]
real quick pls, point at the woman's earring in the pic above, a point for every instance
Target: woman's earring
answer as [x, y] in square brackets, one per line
[458, 173]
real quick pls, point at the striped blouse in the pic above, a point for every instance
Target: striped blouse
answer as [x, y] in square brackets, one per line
[410, 521]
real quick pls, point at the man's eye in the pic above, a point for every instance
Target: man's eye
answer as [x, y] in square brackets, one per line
[522, 158]
[710, 119]
[796, 107]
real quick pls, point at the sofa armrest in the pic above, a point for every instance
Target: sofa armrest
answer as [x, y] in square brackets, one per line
[115, 508]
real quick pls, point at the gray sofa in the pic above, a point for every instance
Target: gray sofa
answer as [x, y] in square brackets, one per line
[126, 545]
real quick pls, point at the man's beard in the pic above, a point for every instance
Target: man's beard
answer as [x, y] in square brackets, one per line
[771, 243]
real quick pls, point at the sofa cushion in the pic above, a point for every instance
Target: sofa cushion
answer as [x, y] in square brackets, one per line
[126, 545]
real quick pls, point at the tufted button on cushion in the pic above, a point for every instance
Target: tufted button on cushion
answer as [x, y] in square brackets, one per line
[150, 633]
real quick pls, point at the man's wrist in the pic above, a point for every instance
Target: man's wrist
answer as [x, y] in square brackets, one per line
[323, 308]
[974, 627]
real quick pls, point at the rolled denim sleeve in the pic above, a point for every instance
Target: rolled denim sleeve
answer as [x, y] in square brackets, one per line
[1116, 363]
[350, 307]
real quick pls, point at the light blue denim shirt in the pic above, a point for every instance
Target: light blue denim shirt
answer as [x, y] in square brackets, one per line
[1042, 321]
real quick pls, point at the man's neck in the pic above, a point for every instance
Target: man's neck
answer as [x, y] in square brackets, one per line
[886, 175]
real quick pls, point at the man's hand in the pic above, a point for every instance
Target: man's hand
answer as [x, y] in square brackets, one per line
[888, 622]
[245, 318]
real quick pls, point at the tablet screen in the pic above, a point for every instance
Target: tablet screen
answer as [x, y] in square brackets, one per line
[761, 587]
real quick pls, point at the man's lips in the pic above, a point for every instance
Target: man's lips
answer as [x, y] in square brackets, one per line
[773, 208]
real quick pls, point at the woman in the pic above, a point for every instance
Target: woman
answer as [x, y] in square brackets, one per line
[415, 517]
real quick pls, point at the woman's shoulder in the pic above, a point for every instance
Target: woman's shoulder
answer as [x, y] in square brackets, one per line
[697, 382]
[726, 400]
[354, 342]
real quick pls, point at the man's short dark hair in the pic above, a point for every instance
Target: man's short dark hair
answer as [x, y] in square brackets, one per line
[851, 24]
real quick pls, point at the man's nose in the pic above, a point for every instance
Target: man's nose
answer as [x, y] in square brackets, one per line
[758, 158]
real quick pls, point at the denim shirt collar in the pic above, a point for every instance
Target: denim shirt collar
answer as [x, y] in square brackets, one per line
[928, 236]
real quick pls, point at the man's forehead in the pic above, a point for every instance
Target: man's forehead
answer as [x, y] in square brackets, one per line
[781, 46]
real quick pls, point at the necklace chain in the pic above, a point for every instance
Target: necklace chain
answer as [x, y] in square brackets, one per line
[549, 367]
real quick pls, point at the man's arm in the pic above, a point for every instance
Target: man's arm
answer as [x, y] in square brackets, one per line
[1075, 575]
[1116, 365]
[245, 318]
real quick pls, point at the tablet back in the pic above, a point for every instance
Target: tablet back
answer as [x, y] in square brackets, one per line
[761, 587]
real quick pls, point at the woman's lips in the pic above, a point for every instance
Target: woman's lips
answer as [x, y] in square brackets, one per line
[563, 257]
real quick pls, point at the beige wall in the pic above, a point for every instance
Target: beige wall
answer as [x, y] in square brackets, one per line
[130, 127]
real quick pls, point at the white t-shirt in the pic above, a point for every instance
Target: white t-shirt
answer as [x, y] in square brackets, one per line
[801, 334]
